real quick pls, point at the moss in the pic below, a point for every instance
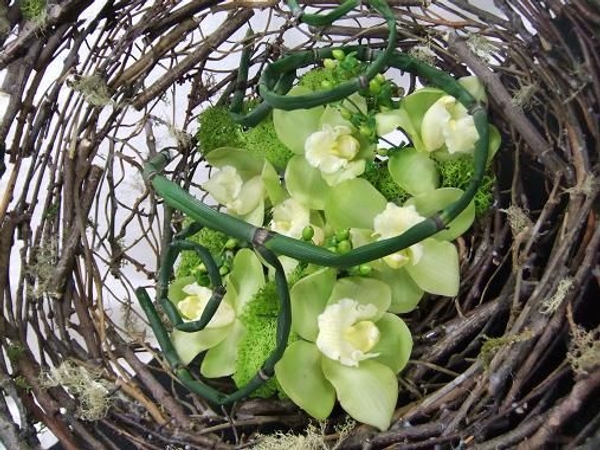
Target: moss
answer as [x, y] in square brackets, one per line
[262, 141]
[260, 319]
[313, 439]
[314, 78]
[552, 304]
[94, 89]
[378, 175]
[34, 10]
[190, 262]
[14, 352]
[492, 345]
[458, 173]
[584, 351]
[217, 129]
[86, 385]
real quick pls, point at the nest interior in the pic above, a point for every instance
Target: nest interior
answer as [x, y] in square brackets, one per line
[91, 89]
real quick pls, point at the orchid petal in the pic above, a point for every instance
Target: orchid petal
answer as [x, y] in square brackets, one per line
[437, 271]
[406, 294]
[219, 360]
[309, 296]
[365, 291]
[368, 392]
[353, 204]
[300, 376]
[305, 183]
[395, 344]
[190, 345]
[414, 171]
[246, 277]
[293, 127]
[429, 203]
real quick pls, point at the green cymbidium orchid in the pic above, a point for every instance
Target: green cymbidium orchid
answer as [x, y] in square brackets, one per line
[351, 348]
[222, 334]
[428, 266]
[242, 183]
[329, 149]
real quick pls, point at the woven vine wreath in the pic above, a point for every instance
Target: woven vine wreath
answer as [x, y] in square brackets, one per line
[309, 240]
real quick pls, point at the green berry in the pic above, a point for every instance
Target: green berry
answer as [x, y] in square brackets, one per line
[365, 269]
[307, 233]
[344, 247]
[374, 87]
[326, 84]
[379, 78]
[231, 244]
[338, 54]
[342, 235]
[329, 63]
[365, 131]
[345, 113]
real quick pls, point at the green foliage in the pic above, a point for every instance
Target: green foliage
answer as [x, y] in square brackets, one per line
[262, 141]
[217, 129]
[378, 175]
[458, 172]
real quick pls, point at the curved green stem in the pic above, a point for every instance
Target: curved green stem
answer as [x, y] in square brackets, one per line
[276, 80]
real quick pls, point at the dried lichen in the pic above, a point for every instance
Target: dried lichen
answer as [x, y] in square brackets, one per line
[522, 98]
[480, 46]
[86, 385]
[423, 53]
[93, 88]
[551, 304]
[314, 438]
[42, 265]
[492, 345]
[517, 219]
[584, 351]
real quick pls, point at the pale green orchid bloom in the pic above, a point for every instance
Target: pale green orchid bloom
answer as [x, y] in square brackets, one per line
[333, 150]
[192, 306]
[291, 217]
[350, 348]
[431, 265]
[220, 338]
[243, 183]
[229, 189]
[329, 149]
[448, 123]
[393, 221]
[347, 332]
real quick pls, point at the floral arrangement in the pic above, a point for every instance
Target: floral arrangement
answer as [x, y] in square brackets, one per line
[330, 175]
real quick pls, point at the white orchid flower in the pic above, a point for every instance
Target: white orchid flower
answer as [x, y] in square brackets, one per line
[333, 150]
[393, 221]
[192, 307]
[347, 332]
[290, 218]
[229, 189]
[447, 122]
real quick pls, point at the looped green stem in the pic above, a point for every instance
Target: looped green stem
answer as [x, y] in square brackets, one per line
[275, 82]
